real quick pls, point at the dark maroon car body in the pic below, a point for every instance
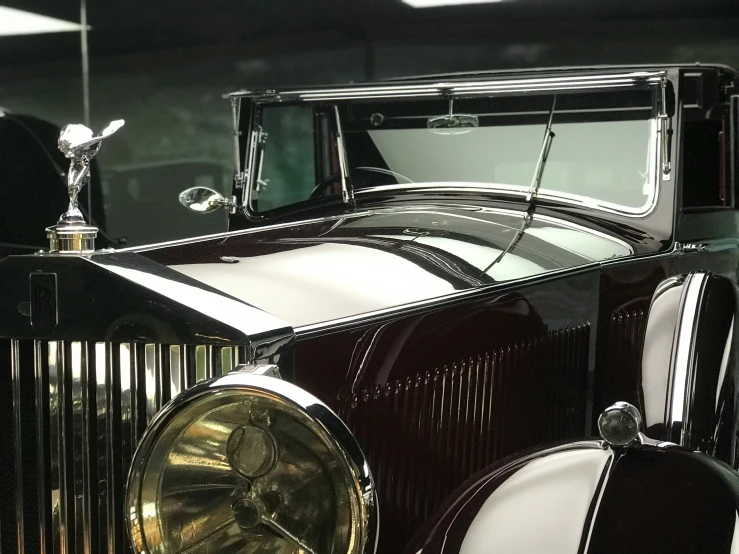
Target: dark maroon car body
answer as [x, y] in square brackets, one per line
[440, 371]
[444, 356]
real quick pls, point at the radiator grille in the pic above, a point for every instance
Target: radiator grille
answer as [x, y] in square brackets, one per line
[425, 436]
[78, 411]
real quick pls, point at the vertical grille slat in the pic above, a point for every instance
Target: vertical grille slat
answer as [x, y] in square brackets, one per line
[17, 416]
[101, 416]
[176, 371]
[78, 410]
[152, 391]
[425, 437]
[41, 375]
[80, 447]
[56, 479]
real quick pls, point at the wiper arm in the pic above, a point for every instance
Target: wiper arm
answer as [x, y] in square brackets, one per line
[531, 195]
[543, 155]
[347, 190]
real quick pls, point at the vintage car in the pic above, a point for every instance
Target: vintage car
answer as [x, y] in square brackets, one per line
[434, 292]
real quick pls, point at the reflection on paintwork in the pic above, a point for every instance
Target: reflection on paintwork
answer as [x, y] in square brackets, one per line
[308, 275]
[657, 353]
[688, 375]
[213, 304]
[735, 539]
[510, 266]
[555, 492]
[354, 279]
[579, 498]
[591, 246]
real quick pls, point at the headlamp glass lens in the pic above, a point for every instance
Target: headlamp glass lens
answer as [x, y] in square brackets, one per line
[246, 471]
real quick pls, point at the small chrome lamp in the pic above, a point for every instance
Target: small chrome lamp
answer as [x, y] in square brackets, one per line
[72, 234]
[619, 424]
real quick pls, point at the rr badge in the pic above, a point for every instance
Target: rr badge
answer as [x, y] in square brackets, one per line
[44, 299]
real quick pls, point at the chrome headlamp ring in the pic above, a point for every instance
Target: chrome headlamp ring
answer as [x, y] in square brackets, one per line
[188, 460]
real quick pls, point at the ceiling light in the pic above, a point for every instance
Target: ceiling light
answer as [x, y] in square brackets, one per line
[18, 22]
[440, 3]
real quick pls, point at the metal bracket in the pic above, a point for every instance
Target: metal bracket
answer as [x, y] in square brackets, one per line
[664, 128]
[268, 370]
[240, 179]
[689, 247]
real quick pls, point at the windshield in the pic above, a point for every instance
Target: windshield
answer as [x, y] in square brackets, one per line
[602, 154]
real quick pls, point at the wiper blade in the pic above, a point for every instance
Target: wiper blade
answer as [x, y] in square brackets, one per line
[533, 191]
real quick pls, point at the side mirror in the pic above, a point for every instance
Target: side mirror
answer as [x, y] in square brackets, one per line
[203, 200]
[689, 365]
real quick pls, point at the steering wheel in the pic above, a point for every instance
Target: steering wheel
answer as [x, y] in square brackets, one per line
[331, 179]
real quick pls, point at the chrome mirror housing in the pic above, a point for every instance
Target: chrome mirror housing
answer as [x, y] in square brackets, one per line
[204, 200]
[689, 373]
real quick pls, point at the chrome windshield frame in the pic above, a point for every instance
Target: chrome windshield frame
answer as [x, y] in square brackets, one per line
[464, 88]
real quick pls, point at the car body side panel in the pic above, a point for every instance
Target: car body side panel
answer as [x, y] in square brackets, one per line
[434, 395]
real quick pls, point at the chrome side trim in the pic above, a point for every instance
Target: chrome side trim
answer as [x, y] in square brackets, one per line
[677, 410]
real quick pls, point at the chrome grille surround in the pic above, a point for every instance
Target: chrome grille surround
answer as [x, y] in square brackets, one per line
[101, 396]
[87, 364]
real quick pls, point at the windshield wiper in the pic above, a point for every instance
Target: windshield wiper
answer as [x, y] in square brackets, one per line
[533, 191]
[543, 155]
[347, 190]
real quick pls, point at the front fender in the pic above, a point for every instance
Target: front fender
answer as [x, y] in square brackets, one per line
[585, 497]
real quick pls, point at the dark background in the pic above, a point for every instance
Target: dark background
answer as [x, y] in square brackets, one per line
[163, 64]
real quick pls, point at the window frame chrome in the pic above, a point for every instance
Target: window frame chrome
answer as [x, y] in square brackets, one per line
[661, 120]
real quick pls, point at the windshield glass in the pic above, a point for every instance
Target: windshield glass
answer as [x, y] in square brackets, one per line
[602, 155]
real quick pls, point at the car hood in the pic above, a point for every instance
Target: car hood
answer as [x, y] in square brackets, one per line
[322, 270]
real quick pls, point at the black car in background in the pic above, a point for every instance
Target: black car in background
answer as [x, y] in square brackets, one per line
[33, 183]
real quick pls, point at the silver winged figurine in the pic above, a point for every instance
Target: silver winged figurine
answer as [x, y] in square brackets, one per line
[72, 234]
[80, 146]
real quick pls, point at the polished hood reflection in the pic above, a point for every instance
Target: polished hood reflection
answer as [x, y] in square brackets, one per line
[319, 271]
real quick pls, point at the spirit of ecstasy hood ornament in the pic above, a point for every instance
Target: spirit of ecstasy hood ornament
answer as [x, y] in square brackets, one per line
[72, 233]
